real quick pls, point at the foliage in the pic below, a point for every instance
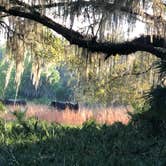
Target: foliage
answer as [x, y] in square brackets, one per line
[156, 99]
[98, 22]
[11, 89]
[53, 84]
[156, 96]
[91, 144]
[19, 114]
[100, 29]
[2, 107]
[119, 80]
[68, 75]
[94, 81]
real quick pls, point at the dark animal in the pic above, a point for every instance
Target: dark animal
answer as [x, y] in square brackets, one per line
[59, 105]
[14, 102]
[73, 106]
[63, 105]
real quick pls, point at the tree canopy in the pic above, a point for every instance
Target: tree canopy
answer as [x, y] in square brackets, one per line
[99, 22]
[93, 26]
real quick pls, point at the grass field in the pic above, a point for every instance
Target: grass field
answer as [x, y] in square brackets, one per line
[35, 142]
[68, 117]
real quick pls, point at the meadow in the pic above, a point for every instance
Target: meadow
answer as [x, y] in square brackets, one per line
[67, 117]
[42, 136]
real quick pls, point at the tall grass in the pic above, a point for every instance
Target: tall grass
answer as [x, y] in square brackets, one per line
[103, 116]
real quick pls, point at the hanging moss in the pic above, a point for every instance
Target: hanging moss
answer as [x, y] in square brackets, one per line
[100, 20]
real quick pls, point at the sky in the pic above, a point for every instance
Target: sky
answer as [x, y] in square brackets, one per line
[138, 30]
[2, 40]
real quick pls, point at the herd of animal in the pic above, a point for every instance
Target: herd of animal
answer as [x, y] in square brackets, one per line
[60, 106]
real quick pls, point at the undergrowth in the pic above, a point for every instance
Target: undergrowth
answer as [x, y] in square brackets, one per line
[38, 143]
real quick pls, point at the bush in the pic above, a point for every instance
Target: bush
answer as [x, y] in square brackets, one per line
[92, 144]
[2, 107]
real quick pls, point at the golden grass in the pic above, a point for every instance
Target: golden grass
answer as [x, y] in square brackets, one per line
[43, 112]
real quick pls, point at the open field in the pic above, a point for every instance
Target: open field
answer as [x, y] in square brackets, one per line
[35, 142]
[68, 117]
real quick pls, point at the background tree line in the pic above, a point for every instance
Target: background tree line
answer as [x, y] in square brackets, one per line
[70, 75]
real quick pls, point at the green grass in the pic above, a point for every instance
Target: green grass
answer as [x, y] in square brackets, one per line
[38, 143]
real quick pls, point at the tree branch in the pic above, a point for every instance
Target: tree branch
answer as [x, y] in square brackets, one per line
[76, 38]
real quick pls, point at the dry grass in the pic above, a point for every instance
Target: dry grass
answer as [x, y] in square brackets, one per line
[43, 112]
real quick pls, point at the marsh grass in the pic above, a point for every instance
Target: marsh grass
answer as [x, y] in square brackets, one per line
[43, 112]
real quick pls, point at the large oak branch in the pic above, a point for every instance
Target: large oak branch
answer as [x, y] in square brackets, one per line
[76, 38]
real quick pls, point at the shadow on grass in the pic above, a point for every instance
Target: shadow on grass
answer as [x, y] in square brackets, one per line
[44, 144]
